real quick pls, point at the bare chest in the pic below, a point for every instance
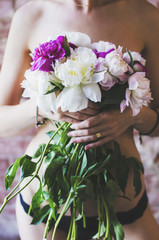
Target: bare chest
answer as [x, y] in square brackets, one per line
[101, 24]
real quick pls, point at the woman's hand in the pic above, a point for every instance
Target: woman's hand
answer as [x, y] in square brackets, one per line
[102, 128]
[73, 117]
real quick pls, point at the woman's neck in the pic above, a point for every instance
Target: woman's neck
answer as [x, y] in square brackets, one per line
[87, 5]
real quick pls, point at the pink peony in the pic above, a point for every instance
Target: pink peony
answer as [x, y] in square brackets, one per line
[137, 94]
[47, 53]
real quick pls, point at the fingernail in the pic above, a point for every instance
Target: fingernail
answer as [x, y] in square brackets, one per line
[74, 140]
[86, 148]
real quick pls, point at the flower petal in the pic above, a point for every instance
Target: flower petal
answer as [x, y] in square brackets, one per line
[47, 103]
[92, 91]
[72, 99]
[123, 105]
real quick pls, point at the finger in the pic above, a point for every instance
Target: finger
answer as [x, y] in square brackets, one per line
[98, 143]
[89, 131]
[89, 111]
[93, 105]
[70, 120]
[84, 139]
[81, 136]
[90, 122]
[78, 115]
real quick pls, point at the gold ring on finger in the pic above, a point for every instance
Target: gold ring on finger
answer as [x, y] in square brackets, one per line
[98, 135]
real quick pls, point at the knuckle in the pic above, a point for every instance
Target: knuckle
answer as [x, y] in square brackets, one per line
[87, 132]
[88, 123]
[94, 137]
[78, 115]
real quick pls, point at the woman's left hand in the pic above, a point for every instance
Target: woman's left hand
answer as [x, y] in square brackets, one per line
[102, 128]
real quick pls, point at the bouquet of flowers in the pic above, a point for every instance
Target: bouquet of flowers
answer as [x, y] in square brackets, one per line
[67, 72]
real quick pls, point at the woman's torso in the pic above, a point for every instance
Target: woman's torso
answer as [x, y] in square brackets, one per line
[114, 23]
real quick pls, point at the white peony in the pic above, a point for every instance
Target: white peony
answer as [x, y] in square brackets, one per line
[77, 38]
[35, 85]
[138, 93]
[102, 46]
[72, 99]
[136, 57]
[116, 65]
[36, 82]
[78, 69]
[78, 76]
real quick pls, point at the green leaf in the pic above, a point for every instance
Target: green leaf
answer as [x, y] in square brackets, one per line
[64, 138]
[117, 151]
[69, 146]
[138, 169]
[84, 164]
[12, 170]
[80, 207]
[119, 232]
[28, 168]
[54, 208]
[90, 191]
[137, 182]
[67, 47]
[131, 58]
[57, 85]
[102, 231]
[110, 191]
[122, 172]
[90, 170]
[39, 151]
[50, 133]
[37, 199]
[51, 91]
[63, 184]
[51, 171]
[40, 215]
[54, 193]
[50, 156]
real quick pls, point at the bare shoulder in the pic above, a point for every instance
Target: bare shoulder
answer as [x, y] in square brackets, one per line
[146, 14]
[145, 18]
[28, 13]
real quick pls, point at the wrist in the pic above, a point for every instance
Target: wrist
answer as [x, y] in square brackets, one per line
[146, 121]
[154, 126]
[128, 115]
[39, 120]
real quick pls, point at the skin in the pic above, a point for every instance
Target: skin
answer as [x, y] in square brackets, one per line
[129, 23]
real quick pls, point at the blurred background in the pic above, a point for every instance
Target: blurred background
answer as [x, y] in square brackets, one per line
[12, 148]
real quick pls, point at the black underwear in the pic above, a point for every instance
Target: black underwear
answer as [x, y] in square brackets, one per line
[92, 222]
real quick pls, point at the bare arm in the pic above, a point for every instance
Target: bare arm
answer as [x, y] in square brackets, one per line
[145, 121]
[15, 117]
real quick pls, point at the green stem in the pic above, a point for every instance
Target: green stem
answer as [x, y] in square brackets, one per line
[83, 216]
[70, 229]
[107, 218]
[99, 216]
[74, 230]
[8, 198]
[61, 214]
[67, 127]
[74, 152]
[76, 148]
[47, 225]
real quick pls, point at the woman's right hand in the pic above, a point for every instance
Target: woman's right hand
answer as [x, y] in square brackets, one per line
[72, 117]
